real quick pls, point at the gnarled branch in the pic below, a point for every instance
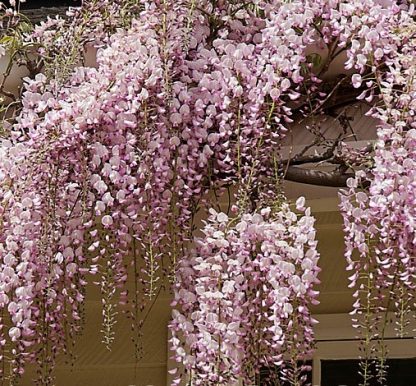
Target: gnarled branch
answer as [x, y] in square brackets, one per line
[317, 177]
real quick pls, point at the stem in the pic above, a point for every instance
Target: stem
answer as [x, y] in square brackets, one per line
[365, 364]
[152, 267]
[219, 335]
[239, 141]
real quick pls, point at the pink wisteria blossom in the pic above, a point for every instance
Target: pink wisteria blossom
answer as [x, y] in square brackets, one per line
[106, 166]
[250, 279]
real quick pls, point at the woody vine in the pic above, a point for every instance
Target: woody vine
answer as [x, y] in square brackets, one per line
[104, 167]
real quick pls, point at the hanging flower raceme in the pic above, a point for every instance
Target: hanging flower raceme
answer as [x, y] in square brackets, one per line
[242, 298]
[113, 161]
[76, 175]
[247, 77]
[63, 42]
[379, 223]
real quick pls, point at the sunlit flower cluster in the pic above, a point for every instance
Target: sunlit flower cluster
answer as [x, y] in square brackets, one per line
[105, 168]
[243, 294]
[81, 178]
[380, 222]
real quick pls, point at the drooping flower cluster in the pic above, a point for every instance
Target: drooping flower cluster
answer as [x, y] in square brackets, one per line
[63, 42]
[82, 173]
[380, 222]
[243, 294]
[107, 166]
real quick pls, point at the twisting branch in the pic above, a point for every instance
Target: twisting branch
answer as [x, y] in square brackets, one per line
[317, 177]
